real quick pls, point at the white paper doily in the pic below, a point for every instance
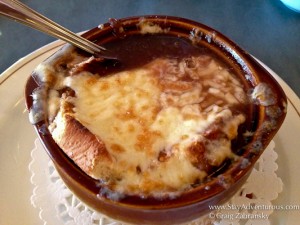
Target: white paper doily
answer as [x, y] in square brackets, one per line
[250, 206]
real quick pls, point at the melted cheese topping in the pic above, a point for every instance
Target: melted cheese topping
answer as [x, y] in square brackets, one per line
[138, 117]
[160, 123]
[125, 112]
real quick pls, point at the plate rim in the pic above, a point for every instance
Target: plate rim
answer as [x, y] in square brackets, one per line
[10, 71]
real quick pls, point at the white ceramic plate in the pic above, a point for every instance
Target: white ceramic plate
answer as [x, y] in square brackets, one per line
[17, 140]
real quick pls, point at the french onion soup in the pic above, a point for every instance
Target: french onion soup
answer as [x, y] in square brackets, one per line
[168, 117]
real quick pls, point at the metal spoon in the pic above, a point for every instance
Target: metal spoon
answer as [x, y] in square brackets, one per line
[19, 12]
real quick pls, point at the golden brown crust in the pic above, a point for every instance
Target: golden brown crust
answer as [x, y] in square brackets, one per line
[83, 147]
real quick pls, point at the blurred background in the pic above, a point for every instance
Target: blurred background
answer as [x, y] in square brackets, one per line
[267, 29]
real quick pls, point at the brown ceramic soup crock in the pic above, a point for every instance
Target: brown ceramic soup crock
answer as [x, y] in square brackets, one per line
[263, 121]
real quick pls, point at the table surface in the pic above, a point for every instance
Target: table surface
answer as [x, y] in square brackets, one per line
[266, 29]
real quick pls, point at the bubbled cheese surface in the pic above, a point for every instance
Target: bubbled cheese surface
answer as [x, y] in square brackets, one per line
[124, 111]
[138, 114]
[160, 123]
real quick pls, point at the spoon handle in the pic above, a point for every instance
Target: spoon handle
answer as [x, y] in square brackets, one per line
[19, 12]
